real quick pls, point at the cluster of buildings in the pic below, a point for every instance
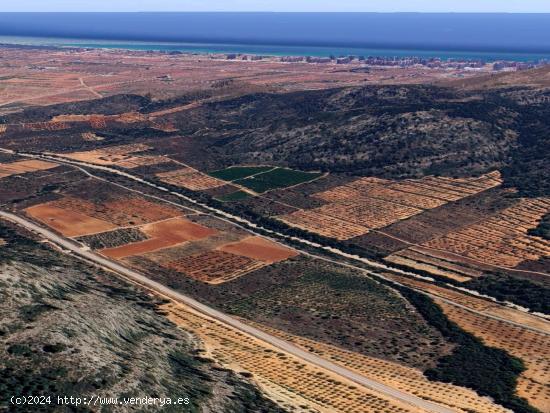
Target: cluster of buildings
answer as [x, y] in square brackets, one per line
[433, 62]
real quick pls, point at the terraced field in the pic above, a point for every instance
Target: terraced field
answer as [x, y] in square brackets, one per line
[502, 239]
[372, 203]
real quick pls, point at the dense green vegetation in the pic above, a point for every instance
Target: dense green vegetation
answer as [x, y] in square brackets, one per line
[335, 305]
[543, 229]
[490, 371]
[277, 178]
[238, 172]
[533, 296]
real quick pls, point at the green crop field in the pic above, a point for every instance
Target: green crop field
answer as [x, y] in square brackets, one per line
[277, 178]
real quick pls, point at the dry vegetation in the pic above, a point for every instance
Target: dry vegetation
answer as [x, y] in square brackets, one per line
[371, 203]
[502, 239]
[288, 379]
[123, 156]
[190, 178]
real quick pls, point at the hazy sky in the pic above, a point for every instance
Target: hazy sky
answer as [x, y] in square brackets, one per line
[521, 6]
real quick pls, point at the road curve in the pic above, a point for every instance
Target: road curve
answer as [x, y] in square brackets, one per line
[225, 319]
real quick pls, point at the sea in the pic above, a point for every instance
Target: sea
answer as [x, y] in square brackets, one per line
[488, 37]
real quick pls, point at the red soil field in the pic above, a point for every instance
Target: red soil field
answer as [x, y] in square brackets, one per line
[163, 235]
[259, 248]
[68, 223]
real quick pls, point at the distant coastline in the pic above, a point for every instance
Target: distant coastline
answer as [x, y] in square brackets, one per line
[489, 37]
[269, 50]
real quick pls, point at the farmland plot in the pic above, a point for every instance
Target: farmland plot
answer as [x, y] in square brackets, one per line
[396, 375]
[23, 167]
[215, 267]
[374, 203]
[67, 222]
[190, 178]
[125, 211]
[502, 239]
[161, 235]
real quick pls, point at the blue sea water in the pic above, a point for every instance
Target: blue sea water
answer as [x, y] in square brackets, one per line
[474, 36]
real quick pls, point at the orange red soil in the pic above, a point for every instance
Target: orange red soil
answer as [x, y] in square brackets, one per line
[68, 223]
[259, 248]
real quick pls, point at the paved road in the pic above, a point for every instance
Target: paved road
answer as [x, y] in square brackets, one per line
[249, 226]
[224, 318]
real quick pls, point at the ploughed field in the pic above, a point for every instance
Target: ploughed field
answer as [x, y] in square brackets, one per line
[122, 225]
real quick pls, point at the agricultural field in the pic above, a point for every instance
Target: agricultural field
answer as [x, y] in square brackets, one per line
[23, 167]
[214, 266]
[393, 374]
[160, 235]
[124, 156]
[67, 222]
[271, 178]
[533, 384]
[502, 239]
[353, 209]
[334, 305]
[239, 172]
[190, 178]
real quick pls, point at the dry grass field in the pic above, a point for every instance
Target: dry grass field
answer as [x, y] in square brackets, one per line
[534, 383]
[502, 239]
[286, 379]
[372, 203]
[23, 167]
[123, 156]
[190, 178]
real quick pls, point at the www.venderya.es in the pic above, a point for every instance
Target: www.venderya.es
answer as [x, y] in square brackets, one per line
[95, 400]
